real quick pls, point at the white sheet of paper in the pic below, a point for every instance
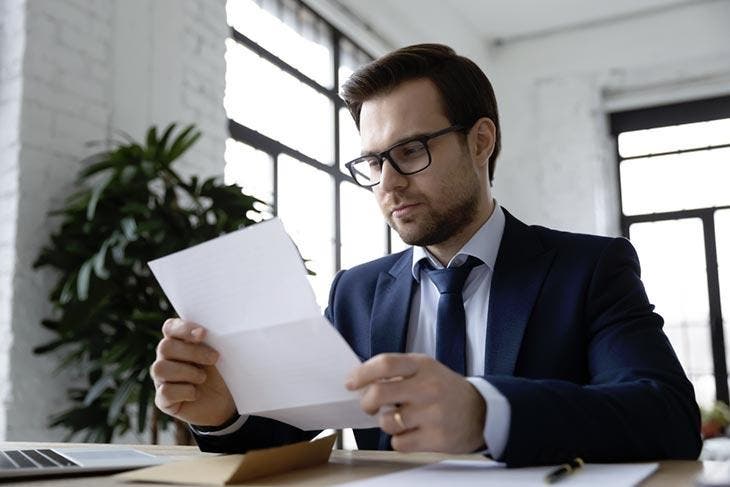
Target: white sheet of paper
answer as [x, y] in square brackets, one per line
[483, 473]
[279, 357]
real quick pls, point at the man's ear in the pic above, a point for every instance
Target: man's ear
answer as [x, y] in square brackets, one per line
[481, 140]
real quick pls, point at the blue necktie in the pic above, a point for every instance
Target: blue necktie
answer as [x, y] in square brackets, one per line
[451, 317]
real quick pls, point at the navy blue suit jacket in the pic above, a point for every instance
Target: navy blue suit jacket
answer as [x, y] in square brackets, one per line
[572, 343]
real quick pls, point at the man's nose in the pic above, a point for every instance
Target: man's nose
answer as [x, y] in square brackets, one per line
[390, 179]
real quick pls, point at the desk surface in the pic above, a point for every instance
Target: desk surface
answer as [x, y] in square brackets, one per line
[343, 466]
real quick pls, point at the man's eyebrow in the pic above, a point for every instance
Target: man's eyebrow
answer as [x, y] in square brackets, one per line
[399, 141]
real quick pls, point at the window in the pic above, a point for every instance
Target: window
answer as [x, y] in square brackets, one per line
[674, 174]
[290, 133]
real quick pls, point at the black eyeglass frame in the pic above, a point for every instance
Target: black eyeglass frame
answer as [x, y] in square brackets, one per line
[381, 156]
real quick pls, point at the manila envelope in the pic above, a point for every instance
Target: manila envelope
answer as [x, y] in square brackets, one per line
[236, 469]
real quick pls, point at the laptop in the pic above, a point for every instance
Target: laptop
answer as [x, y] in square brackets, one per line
[71, 461]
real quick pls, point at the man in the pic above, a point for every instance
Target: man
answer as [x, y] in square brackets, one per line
[488, 335]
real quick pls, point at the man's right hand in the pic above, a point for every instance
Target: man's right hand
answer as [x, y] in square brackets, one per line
[187, 384]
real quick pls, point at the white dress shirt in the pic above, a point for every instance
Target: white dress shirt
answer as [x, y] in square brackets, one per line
[483, 245]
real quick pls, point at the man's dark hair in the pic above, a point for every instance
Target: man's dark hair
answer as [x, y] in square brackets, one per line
[465, 90]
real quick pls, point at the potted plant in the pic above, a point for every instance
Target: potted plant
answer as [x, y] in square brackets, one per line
[131, 207]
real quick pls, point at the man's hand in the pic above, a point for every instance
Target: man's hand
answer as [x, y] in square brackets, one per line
[188, 386]
[439, 409]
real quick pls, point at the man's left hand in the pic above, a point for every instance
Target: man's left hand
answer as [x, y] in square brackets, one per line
[439, 410]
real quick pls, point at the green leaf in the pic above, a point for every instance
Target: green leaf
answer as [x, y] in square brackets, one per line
[120, 399]
[162, 145]
[148, 168]
[119, 252]
[183, 142]
[129, 228]
[116, 352]
[143, 402]
[95, 195]
[99, 259]
[127, 174]
[96, 163]
[50, 346]
[67, 293]
[50, 324]
[82, 281]
[98, 388]
[152, 137]
[133, 207]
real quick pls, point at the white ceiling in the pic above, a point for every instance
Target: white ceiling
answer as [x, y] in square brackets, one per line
[503, 20]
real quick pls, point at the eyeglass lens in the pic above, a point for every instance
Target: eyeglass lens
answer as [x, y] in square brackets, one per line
[408, 158]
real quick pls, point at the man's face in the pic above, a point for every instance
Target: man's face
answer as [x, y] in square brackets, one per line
[432, 206]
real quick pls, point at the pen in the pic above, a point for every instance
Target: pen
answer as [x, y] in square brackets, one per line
[563, 470]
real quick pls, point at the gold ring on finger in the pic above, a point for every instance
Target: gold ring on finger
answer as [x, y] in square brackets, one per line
[399, 419]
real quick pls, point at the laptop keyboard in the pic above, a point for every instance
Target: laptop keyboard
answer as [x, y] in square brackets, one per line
[12, 459]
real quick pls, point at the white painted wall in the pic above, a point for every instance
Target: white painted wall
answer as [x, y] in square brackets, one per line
[73, 71]
[12, 43]
[405, 22]
[558, 167]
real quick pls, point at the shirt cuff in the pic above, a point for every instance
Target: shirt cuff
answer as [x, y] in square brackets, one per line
[226, 429]
[499, 413]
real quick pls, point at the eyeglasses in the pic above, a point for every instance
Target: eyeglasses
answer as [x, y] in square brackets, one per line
[407, 158]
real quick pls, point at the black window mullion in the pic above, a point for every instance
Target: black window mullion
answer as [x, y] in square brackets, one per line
[623, 220]
[666, 115]
[336, 60]
[713, 290]
[336, 139]
[670, 215]
[275, 187]
[676, 152]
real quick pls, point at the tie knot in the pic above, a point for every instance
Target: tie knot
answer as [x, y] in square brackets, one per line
[450, 280]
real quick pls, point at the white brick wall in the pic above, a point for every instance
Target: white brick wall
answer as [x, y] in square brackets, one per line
[169, 66]
[65, 92]
[12, 39]
[71, 71]
[203, 83]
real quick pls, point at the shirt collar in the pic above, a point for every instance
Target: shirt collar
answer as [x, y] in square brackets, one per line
[483, 245]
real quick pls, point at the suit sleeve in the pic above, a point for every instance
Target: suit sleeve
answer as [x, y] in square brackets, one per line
[256, 433]
[638, 404]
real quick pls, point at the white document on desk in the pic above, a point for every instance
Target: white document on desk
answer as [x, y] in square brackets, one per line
[279, 356]
[483, 473]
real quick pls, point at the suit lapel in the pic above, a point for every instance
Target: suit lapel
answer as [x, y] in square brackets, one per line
[389, 322]
[519, 271]
[391, 306]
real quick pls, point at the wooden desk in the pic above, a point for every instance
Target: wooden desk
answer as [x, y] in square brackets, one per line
[343, 466]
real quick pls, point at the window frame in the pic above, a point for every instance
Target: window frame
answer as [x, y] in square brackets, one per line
[274, 148]
[677, 114]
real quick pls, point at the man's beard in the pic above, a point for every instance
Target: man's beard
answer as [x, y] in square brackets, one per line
[441, 226]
